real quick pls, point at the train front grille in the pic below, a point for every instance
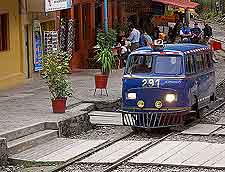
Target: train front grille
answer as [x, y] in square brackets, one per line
[153, 119]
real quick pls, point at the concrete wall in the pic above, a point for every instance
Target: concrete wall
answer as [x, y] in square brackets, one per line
[11, 61]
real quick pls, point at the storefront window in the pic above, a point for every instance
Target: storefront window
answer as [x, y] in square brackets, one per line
[4, 41]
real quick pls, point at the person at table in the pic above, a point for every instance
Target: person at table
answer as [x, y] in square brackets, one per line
[134, 38]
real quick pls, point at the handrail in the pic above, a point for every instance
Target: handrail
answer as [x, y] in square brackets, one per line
[218, 40]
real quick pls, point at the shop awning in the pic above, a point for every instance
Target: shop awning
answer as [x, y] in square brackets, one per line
[179, 3]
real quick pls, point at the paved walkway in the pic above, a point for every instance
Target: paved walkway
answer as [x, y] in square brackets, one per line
[198, 154]
[30, 103]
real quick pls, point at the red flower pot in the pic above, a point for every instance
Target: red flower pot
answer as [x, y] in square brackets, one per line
[101, 81]
[59, 105]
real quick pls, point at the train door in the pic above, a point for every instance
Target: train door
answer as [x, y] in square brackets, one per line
[211, 74]
[26, 53]
[202, 80]
[190, 72]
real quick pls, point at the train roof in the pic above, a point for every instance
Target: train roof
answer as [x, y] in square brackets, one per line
[181, 48]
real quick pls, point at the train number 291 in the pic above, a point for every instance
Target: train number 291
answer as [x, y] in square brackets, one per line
[151, 83]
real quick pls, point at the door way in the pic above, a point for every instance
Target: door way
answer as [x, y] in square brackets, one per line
[26, 53]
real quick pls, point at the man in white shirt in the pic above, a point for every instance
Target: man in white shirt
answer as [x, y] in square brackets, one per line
[134, 38]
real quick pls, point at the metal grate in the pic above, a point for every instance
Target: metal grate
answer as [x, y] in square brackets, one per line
[153, 120]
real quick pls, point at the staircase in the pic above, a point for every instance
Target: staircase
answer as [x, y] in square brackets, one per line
[25, 138]
[40, 143]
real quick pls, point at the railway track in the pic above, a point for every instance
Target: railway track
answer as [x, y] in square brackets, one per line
[217, 105]
[129, 156]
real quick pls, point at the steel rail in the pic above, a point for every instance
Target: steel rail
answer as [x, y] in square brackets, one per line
[135, 153]
[90, 152]
[146, 147]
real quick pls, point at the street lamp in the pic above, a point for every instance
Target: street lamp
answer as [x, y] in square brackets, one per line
[106, 15]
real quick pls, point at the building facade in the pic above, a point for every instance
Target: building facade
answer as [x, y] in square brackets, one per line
[11, 44]
[88, 18]
[16, 38]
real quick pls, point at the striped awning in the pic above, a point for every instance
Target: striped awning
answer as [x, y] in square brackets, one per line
[187, 4]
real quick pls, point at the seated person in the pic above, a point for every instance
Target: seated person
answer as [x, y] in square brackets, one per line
[140, 68]
[185, 33]
[124, 52]
[196, 33]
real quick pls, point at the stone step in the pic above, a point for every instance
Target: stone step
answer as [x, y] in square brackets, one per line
[105, 118]
[31, 140]
[106, 114]
[24, 131]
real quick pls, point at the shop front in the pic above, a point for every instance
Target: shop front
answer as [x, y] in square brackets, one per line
[88, 17]
[172, 10]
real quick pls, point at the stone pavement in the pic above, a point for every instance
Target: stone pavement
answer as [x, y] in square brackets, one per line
[30, 103]
[183, 153]
[115, 152]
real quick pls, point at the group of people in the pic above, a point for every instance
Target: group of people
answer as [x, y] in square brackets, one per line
[137, 38]
[140, 38]
[189, 35]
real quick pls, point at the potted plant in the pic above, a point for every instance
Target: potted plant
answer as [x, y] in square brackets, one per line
[105, 57]
[55, 70]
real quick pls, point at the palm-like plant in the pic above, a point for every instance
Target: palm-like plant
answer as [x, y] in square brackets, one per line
[106, 41]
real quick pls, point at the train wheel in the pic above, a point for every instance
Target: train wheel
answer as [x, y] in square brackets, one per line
[213, 97]
[196, 109]
[178, 128]
[137, 129]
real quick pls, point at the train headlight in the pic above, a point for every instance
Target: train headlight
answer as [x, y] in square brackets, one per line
[131, 96]
[170, 98]
[140, 103]
[158, 104]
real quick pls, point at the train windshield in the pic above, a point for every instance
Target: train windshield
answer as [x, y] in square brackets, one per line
[159, 64]
[168, 65]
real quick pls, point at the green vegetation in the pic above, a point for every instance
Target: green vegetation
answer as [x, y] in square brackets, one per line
[55, 70]
[106, 41]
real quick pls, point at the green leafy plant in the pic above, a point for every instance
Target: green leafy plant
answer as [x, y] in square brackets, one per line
[55, 70]
[107, 60]
[106, 41]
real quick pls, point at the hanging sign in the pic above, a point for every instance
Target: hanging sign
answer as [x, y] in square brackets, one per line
[50, 41]
[37, 44]
[54, 5]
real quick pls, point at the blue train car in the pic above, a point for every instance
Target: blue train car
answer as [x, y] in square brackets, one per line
[161, 86]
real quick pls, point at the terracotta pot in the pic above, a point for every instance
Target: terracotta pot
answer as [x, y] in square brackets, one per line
[101, 81]
[59, 105]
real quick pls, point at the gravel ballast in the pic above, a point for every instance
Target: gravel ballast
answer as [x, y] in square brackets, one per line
[151, 168]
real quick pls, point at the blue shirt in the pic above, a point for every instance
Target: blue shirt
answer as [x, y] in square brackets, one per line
[147, 38]
[134, 36]
[142, 40]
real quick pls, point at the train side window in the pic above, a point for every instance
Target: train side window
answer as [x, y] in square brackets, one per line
[190, 66]
[199, 62]
[204, 61]
[209, 60]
